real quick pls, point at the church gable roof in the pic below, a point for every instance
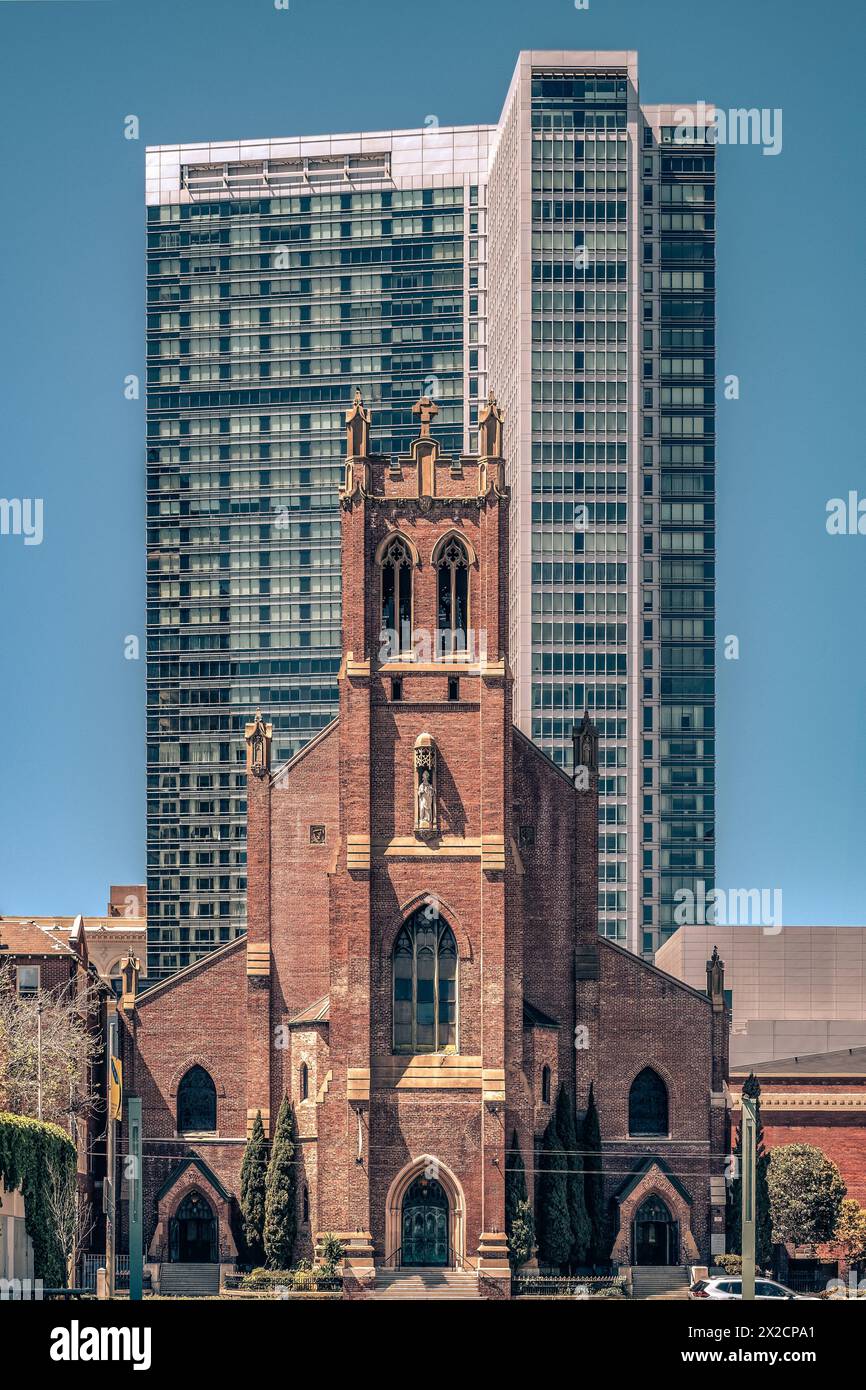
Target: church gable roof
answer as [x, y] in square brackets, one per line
[285, 768]
[206, 1172]
[149, 991]
[651, 1161]
[638, 965]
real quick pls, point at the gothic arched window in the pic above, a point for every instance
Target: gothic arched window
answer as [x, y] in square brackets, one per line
[648, 1104]
[452, 614]
[425, 985]
[396, 570]
[196, 1102]
[545, 1085]
[304, 1080]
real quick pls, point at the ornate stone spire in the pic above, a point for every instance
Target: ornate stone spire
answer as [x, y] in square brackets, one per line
[716, 979]
[490, 418]
[358, 429]
[584, 737]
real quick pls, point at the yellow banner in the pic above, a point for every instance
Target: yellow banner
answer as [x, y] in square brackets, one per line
[115, 1094]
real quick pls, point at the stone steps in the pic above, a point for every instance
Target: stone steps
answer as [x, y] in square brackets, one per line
[189, 1280]
[425, 1284]
[660, 1281]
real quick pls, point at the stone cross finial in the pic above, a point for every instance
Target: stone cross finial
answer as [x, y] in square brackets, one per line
[426, 409]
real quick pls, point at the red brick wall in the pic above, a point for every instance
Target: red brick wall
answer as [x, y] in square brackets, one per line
[304, 797]
[841, 1137]
[197, 1017]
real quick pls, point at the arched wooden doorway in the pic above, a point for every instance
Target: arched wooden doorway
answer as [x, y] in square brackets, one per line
[430, 1169]
[194, 1231]
[654, 1234]
[425, 1224]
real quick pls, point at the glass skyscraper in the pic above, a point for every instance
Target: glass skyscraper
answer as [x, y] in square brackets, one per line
[562, 257]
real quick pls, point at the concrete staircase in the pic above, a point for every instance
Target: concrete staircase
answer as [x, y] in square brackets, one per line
[660, 1281]
[189, 1281]
[425, 1283]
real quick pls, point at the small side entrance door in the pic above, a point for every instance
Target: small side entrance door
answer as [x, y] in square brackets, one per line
[654, 1234]
[193, 1232]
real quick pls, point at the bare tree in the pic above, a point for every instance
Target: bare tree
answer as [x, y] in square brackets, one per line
[70, 1214]
[49, 1048]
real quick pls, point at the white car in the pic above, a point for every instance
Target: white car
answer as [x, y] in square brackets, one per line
[727, 1286]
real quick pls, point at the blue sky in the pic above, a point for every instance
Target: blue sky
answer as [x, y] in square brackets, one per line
[792, 789]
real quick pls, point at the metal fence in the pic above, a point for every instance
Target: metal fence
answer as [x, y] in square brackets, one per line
[808, 1280]
[283, 1282]
[566, 1286]
[89, 1264]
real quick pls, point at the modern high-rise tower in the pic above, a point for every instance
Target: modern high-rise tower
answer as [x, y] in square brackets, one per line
[562, 258]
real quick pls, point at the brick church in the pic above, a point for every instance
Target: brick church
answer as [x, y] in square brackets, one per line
[422, 969]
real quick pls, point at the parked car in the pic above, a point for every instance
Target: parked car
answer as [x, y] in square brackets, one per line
[726, 1286]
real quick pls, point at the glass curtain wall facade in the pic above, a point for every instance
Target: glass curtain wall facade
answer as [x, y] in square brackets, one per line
[274, 288]
[601, 347]
[678, 205]
[564, 158]
[580, 446]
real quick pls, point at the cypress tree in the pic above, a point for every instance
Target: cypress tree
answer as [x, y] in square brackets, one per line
[554, 1219]
[593, 1181]
[280, 1212]
[253, 1174]
[519, 1224]
[734, 1209]
[581, 1230]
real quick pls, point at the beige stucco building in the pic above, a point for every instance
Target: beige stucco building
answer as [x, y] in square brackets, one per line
[794, 991]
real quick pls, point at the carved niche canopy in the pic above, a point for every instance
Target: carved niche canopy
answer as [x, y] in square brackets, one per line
[258, 736]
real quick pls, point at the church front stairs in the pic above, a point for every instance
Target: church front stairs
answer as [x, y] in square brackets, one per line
[660, 1281]
[189, 1280]
[425, 1283]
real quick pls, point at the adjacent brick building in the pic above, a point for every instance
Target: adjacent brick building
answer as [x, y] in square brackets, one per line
[50, 956]
[423, 967]
[818, 1100]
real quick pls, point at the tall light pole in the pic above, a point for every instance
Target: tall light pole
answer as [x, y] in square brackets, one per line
[749, 1147]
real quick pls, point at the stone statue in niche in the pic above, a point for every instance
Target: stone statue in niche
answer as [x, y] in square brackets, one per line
[426, 802]
[426, 810]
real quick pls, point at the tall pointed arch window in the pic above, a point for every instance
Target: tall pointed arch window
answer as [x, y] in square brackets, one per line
[452, 571]
[396, 569]
[425, 985]
[648, 1104]
[196, 1102]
